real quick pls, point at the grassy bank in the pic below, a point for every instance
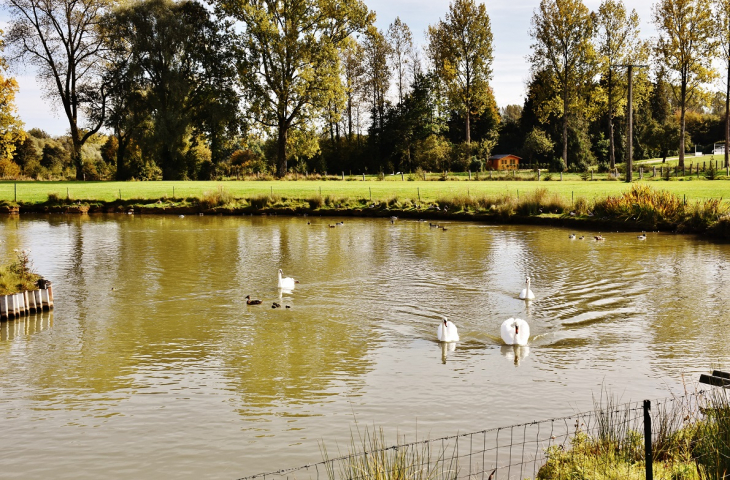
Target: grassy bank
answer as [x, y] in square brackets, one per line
[371, 188]
[637, 206]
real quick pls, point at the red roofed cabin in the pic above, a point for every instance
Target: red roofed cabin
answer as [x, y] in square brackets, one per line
[504, 162]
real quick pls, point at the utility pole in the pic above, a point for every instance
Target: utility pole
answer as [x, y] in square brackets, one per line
[630, 123]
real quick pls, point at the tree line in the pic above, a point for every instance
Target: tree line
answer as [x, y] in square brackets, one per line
[163, 89]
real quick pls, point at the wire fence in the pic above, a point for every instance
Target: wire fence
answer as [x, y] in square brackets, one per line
[673, 438]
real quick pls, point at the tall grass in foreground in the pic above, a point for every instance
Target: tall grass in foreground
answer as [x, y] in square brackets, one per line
[689, 442]
[370, 458]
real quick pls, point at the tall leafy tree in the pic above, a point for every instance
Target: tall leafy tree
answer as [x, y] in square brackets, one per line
[686, 42]
[401, 48]
[377, 82]
[460, 47]
[563, 31]
[172, 81]
[618, 44]
[61, 39]
[723, 36]
[353, 73]
[288, 61]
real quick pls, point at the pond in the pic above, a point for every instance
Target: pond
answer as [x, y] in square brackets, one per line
[152, 365]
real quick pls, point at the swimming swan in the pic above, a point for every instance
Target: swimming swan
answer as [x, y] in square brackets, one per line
[526, 293]
[447, 331]
[286, 283]
[515, 331]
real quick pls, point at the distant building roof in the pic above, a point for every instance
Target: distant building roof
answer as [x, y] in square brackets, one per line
[497, 157]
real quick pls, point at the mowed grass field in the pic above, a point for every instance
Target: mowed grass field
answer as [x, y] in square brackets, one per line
[572, 187]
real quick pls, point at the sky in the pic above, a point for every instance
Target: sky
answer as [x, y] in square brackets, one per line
[510, 20]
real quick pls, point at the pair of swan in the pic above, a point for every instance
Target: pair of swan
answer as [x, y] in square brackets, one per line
[514, 331]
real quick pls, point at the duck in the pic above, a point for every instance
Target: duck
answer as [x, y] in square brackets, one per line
[599, 238]
[447, 332]
[252, 302]
[286, 283]
[515, 331]
[642, 236]
[571, 236]
[526, 293]
[275, 305]
[581, 237]
[433, 225]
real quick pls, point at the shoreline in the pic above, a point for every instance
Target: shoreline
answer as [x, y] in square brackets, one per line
[381, 210]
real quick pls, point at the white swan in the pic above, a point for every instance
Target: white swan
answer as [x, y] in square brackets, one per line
[526, 293]
[515, 331]
[287, 283]
[447, 331]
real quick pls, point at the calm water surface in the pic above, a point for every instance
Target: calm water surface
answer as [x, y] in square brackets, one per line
[153, 366]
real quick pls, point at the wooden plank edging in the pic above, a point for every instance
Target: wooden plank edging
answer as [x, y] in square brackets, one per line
[17, 304]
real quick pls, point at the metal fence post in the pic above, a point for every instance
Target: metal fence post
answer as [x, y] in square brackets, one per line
[647, 441]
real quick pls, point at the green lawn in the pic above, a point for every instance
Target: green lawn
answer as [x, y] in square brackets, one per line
[571, 186]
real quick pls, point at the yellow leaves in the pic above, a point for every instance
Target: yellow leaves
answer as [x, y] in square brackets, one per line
[11, 128]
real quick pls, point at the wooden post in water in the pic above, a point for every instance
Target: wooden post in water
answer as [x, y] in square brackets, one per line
[561, 176]
[469, 174]
[3, 306]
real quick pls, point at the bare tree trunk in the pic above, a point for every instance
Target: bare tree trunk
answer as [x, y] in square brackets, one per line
[281, 151]
[565, 126]
[683, 96]
[612, 148]
[727, 117]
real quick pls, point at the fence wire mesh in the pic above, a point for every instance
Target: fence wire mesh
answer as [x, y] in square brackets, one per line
[689, 440]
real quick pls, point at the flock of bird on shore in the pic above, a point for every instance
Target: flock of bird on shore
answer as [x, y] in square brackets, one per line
[514, 331]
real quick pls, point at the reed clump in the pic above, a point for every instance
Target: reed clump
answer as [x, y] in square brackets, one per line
[216, 198]
[370, 458]
[541, 201]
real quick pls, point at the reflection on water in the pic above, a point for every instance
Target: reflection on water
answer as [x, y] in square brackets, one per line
[515, 353]
[23, 327]
[152, 357]
[446, 348]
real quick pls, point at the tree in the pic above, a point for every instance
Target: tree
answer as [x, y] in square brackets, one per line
[563, 31]
[172, 82]
[401, 48]
[686, 42]
[723, 36]
[377, 82]
[61, 39]
[11, 128]
[353, 72]
[460, 47]
[618, 44]
[537, 145]
[288, 61]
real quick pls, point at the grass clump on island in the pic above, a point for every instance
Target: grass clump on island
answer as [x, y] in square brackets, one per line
[18, 275]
